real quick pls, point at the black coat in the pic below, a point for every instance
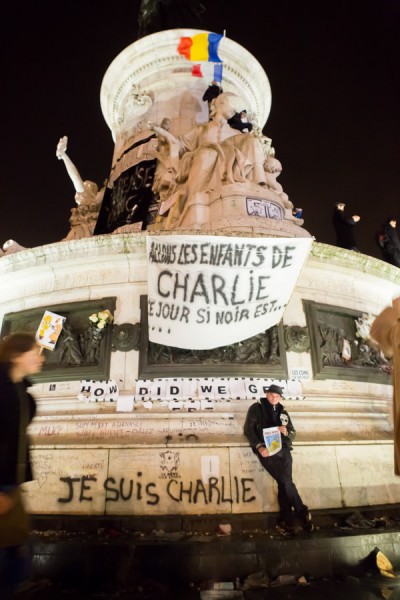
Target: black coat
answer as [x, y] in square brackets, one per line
[261, 414]
[9, 430]
[391, 245]
[212, 92]
[344, 227]
[236, 123]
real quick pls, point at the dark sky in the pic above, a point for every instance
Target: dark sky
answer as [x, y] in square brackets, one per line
[334, 71]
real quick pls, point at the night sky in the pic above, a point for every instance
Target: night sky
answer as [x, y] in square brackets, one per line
[334, 71]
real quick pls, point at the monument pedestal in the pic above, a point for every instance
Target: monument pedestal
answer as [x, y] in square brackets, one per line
[156, 459]
[248, 209]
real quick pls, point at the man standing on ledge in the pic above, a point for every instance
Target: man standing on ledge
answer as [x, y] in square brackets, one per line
[269, 412]
[344, 227]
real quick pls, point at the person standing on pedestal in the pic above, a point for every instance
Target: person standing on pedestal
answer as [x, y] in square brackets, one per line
[389, 242]
[344, 227]
[269, 412]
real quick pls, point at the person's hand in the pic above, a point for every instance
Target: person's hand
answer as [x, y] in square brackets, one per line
[356, 218]
[283, 430]
[6, 503]
[263, 451]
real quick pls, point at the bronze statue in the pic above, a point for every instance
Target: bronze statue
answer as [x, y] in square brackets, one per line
[157, 15]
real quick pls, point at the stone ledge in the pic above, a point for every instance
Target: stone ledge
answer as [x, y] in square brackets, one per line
[191, 550]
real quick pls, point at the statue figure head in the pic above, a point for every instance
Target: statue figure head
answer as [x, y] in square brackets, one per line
[225, 105]
[90, 187]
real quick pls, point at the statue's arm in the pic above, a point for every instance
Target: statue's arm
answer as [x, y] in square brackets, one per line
[72, 171]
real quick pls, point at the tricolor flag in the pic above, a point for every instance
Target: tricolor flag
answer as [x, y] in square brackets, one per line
[211, 71]
[201, 47]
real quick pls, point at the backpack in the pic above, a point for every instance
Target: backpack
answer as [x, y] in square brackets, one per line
[381, 238]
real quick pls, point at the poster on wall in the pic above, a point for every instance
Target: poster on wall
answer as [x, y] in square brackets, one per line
[210, 291]
[49, 329]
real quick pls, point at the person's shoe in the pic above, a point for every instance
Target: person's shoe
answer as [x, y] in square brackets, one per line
[285, 527]
[308, 525]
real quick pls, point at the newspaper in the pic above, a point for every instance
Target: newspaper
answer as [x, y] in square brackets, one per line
[272, 439]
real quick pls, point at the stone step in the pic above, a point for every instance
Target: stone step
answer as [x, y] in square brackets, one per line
[191, 550]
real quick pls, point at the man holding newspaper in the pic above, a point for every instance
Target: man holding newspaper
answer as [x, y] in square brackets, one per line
[270, 431]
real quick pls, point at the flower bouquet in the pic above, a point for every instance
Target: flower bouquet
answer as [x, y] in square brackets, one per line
[98, 324]
[101, 319]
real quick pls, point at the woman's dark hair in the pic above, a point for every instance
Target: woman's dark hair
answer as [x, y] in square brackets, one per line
[15, 345]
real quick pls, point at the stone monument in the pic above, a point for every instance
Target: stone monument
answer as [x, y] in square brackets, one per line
[174, 446]
[177, 167]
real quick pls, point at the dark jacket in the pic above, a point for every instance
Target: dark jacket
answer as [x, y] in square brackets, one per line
[390, 245]
[9, 430]
[236, 123]
[212, 92]
[262, 414]
[344, 227]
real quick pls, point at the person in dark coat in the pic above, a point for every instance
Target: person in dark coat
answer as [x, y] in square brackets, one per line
[20, 357]
[344, 227]
[389, 242]
[212, 92]
[269, 412]
[239, 121]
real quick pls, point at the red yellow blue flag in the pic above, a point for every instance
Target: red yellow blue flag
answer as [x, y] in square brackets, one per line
[211, 71]
[201, 47]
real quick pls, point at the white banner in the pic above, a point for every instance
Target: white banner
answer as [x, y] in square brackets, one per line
[211, 291]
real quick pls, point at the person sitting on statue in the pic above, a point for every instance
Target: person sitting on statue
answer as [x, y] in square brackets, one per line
[88, 198]
[240, 122]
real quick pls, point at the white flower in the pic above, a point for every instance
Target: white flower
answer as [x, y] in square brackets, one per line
[101, 319]
[105, 315]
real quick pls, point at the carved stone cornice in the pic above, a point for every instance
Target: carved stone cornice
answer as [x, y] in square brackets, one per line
[354, 260]
[124, 243]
